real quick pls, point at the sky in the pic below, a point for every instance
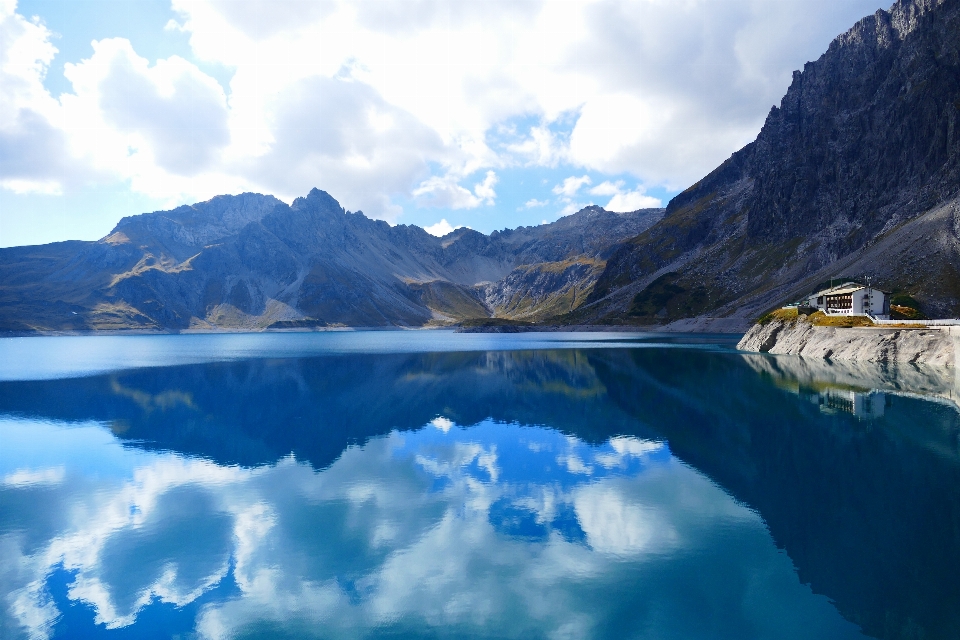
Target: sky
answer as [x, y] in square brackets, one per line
[489, 114]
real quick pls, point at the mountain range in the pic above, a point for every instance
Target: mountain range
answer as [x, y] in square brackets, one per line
[250, 262]
[855, 174]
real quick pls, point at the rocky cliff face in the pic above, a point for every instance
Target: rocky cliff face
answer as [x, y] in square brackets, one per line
[936, 347]
[865, 143]
[251, 261]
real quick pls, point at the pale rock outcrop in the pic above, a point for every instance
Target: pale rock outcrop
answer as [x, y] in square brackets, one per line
[931, 346]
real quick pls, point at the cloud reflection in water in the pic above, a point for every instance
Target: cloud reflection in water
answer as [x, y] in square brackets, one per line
[489, 530]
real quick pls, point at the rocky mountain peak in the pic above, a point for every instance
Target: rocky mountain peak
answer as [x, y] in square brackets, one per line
[865, 141]
[198, 224]
[318, 201]
[250, 262]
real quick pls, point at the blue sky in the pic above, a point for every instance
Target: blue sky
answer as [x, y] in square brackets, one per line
[429, 112]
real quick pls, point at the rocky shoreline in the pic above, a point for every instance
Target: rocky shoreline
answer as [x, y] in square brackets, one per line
[883, 345]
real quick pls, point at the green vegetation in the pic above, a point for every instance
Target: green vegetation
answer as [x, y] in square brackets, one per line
[817, 319]
[302, 323]
[766, 258]
[787, 314]
[666, 298]
[898, 312]
[820, 319]
[905, 307]
[448, 299]
[563, 265]
[904, 300]
[573, 280]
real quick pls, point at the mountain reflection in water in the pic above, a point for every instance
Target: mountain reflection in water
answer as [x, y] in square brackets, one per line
[605, 493]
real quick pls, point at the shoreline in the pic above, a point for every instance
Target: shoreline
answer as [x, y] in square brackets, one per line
[936, 346]
[691, 327]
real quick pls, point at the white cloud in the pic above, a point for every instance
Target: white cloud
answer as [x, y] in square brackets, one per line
[567, 192]
[170, 111]
[624, 200]
[571, 186]
[607, 188]
[631, 201]
[33, 150]
[541, 147]
[446, 192]
[626, 447]
[533, 203]
[374, 101]
[340, 135]
[441, 229]
[261, 20]
[484, 190]
[462, 68]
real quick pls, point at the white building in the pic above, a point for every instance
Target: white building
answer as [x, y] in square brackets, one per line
[852, 299]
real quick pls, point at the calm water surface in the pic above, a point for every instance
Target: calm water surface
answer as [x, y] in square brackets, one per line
[431, 484]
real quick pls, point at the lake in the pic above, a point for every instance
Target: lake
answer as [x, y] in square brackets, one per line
[427, 484]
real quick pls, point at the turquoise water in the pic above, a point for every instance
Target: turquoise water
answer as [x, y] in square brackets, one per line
[431, 484]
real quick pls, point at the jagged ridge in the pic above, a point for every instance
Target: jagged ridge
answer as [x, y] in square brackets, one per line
[251, 262]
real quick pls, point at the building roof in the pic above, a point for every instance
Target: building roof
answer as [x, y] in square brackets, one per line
[841, 290]
[845, 288]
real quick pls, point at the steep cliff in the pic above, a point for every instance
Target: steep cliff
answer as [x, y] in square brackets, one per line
[252, 262]
[933, 346]
[863, 151]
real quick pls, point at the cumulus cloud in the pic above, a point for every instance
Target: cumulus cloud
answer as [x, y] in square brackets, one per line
[446, 192]
[539, 147]
[533, 203]
[624, 200]
[441, 229]
[261, 19]
[172, 110]
[341, 135]
[570, 186]
[662, 91]
[33, 152]
[441, 423]
[484, 190]
[376, 101]
[607, 188]
[631, 201]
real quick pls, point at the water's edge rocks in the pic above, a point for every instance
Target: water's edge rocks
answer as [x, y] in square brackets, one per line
[931, 346]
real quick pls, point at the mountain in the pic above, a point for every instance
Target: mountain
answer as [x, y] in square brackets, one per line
[251, 261]
[856, 173]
